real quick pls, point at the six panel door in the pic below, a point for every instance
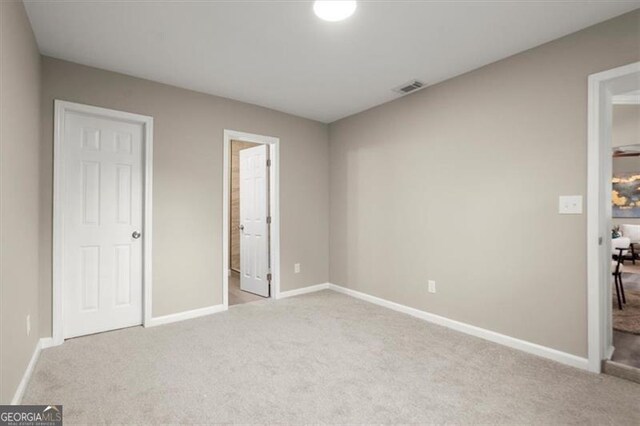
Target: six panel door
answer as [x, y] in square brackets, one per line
[102, 258]
[254, 209]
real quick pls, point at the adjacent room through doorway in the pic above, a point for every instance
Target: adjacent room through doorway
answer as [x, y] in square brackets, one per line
[625, 139]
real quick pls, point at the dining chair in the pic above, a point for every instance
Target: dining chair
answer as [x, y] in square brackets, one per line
[633, 233]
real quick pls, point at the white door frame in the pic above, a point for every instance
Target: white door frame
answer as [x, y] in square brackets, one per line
[61, 108]
[274, 202]
[603, 86]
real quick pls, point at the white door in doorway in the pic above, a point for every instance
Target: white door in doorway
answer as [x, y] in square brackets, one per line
[254, 229]
[102, 224]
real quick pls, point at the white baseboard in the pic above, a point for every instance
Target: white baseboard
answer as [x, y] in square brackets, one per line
[43, 343]
[512, 342]
[181, 316]
[47, 342]
[610, 352]
[303, 290]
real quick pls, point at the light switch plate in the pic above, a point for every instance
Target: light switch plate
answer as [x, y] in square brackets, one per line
[296, 268]
[570, 204]
[432, 286]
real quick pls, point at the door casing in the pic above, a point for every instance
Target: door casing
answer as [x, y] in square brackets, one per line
[602, 87]
[61, 108]
[274, 202]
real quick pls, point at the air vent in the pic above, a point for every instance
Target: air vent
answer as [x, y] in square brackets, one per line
[409, 87]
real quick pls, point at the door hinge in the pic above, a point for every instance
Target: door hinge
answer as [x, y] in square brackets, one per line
[269, 219]
[269, 163]
[269, 276]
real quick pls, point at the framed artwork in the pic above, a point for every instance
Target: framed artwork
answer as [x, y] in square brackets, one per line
[625, 195]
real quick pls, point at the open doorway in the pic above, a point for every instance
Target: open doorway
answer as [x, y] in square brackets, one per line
[625, 196]
[248, 260]
[604, 87]
[251, 239]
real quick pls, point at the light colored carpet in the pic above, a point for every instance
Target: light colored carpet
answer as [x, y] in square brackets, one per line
[317, 358]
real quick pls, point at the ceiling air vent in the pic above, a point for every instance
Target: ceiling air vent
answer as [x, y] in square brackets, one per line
[409, 87]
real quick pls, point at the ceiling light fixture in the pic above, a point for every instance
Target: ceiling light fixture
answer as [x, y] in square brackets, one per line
[334, 11]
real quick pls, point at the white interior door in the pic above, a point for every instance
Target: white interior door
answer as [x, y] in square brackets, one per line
[102, 224]
[254, 229]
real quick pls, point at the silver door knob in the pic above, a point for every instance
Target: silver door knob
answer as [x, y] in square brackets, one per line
[136, 235]
[241, 227]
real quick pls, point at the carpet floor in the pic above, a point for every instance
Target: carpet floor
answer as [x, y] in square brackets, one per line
[318, 358]
[626, 323]
[627, 319]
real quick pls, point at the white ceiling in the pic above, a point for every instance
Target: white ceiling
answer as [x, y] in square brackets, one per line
[279, 55]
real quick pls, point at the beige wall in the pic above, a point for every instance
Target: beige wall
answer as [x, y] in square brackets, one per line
[234, 223]
[187, 204]
[625, 125]
[626, 164]
[459, 183]
[19, 151]
[626, 131]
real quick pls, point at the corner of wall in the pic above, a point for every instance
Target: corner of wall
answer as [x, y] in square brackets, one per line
[20, 80]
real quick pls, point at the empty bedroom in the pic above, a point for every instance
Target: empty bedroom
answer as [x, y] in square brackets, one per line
[305, 212]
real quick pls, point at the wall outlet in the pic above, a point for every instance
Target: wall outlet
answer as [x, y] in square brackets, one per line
[296, 268]
[28, 324]
[432, 286]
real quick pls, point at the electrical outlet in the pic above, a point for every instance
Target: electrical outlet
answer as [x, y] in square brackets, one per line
[28, 324]
[296, 268]
[432, 286]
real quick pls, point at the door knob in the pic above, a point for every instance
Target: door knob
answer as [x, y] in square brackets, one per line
[241, 227]
[136, 235]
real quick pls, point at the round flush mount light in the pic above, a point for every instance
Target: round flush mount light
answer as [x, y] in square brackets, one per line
[335, 10]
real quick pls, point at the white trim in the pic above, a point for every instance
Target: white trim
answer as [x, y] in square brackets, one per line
[46, 342]
[593, 228]
[609, 353]
[304, 290]
[41, 344]
[522, 345]
[512, 342]
[22, 386]
[274, 201]
[147, 226]
[601, 88]
[181, 316]
[60, 110]
[626, 99]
